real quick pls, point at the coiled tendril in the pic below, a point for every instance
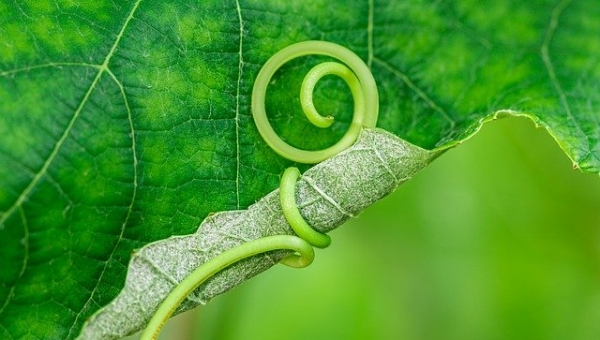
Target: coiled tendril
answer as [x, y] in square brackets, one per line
[355, 73]
[366, 103]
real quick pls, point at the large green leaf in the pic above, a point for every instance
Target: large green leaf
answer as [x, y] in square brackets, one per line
[124, 123]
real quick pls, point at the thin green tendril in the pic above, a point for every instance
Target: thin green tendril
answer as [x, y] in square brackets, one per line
[287, 197]
[364, 91]
[304, 257]
[355, 73]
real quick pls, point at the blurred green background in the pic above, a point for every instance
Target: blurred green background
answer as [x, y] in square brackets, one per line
[497, 239]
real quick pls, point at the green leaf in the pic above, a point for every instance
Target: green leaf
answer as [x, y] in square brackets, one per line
[125, 123]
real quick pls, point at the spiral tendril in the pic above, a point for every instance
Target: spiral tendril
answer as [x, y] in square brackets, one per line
[366, 104]
[355, 73]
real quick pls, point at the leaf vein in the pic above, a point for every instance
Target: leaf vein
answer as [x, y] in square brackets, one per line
[545, 53]
[131, 203]
[417, 90]
[24, 262]
[237, 104]
[370, 55]
[48, 65]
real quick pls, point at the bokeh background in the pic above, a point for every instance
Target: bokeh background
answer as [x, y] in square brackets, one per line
[497, 239]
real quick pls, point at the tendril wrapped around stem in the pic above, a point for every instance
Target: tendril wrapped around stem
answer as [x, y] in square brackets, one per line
[355, 73]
